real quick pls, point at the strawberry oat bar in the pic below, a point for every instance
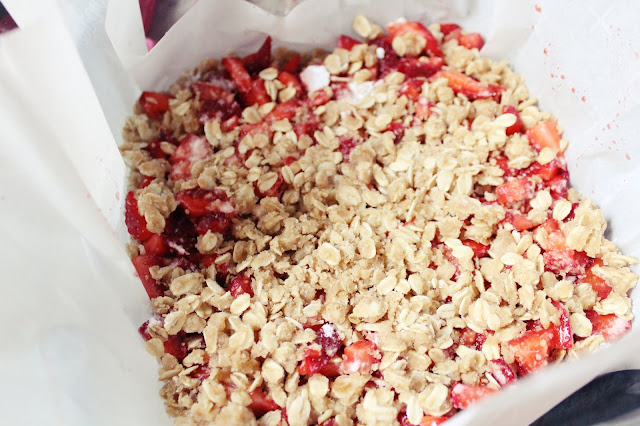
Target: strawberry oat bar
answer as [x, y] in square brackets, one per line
[383, 234]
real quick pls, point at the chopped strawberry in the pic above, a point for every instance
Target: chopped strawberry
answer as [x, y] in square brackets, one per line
[531, 349]
[284, 111]
[514, 191]
[144, 332]
[427, 420]
[501, 371]
[559, 186]
[259, 60]
[198, 202]
[518, 221]
[156, 245]
[397, 129]
[479, 250]
[445, 29]
[319, 97]
[136, 223]
[192, 148]
[423, 108]
[332, 367]
[240, 285]
[222, 268]
[313, 362]
[468, 337]
[480, 339]
[291, 80]
[432, 46]
[470, 41]
[360, 357]
[599, 285]
[611, 326]
[142, 264]
[516, 127]
[214, 222]
[292, 64]
[176, 346]
[330, 422]
[155, 150]
[180, 234]
[544, 135]
[155, 104]
[346, 146]
[146, 181]
[328, 338]
[414, 67]
[462, 396]
[390, 59]
[563, 336]
[289, 160]
[211, 92]
[276, 190]
[261, 403]
[346, 42]
[469, 86]
[251, 91]
[412, 88]
[503, 162]
[558, 257]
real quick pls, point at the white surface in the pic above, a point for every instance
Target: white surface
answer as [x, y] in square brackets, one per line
[70, 346]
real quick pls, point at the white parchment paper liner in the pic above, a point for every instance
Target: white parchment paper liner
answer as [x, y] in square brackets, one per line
[70, 352]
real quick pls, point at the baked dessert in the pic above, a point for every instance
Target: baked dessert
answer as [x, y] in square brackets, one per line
[383, 234]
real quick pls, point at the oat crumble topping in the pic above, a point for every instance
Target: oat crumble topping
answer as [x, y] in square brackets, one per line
[385, 249]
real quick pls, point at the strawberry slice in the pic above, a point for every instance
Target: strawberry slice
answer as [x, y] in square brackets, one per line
[201, 373]
[155, 104]
[261, 403]
[544, 135]
[346, 42]
[284, 111]
[292, 64]
[423, 108]
[516, 127]
[470, 41]
[156, 245]
[390, 59]
[142, 264]
[469, 86]
[531, 349]
[518, 221]
[360, 357]
[414, 67]
[259, 60]
[501, 371]
[479, 250]
[240, 285]
[514, 191]
[611, 326]
[198, 202]
[462, 396]
[432, 46]
[445, 29]
[276, 190]
[180, 233]
[468, 337]
[563, 336]
[136, 223]
[599, 285]
[251, 91]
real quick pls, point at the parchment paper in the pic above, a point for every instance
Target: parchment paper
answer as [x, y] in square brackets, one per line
[70, 352]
